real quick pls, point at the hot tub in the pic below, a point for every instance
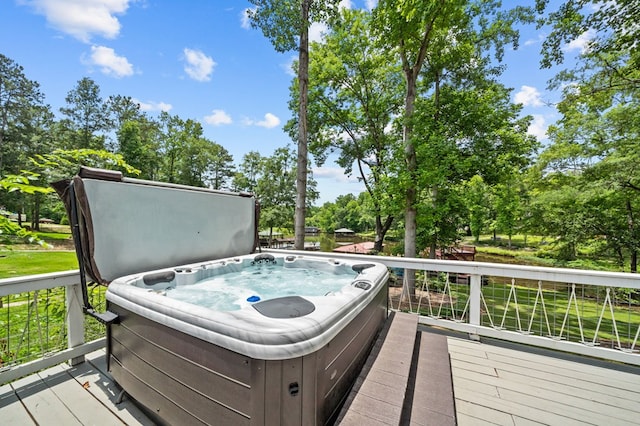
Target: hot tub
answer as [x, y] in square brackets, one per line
[200, 330]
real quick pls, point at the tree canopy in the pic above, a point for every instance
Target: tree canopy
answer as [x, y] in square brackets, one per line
[408, 99]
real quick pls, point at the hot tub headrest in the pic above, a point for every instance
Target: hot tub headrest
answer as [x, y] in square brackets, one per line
[285, 307]
[362, 266]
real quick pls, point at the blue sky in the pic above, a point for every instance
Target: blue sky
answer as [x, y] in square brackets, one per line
[199, 59]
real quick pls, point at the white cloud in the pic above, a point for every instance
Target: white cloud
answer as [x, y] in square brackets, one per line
[270, 121]
[538, 127]
[581, 43]
[109, 62]
[539, 39]
[528, 96]
[334, 173]
[153, 106]
[198, 65]
[317, 31]
[345, 4]
[288, 67]
[82, 19]
[245, 22]
[371, 4]
[218, 117]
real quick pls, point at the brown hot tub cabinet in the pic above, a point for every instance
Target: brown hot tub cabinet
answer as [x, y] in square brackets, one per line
[287, 354]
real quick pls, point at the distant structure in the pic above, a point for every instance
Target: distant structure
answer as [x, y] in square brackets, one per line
[359, 248]
[344, 232]
[311, 230]
[467, 253]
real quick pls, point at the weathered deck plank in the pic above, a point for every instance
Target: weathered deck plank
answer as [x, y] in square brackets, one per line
[531, 388]
[41, 403]
[93, 374]
[63, 395]
[493, 385]
[432, 394]
[12, 410]
[74, 397]
[380, 390]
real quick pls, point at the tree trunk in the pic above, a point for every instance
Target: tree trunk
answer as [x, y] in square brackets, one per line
[433, 247]
[381, 231]
[631, 224]
[410, 215]
[411, 73]
[301, 176]
[35, 216]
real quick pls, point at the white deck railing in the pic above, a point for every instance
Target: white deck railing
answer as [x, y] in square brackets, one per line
[578, 311]
[562, 309]
[23, 301]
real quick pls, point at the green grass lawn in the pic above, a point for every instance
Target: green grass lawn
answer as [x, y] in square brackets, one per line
[36, 320]
[14, 263]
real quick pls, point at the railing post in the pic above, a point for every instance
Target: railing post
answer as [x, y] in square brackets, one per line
[75, 320]
[475, 295]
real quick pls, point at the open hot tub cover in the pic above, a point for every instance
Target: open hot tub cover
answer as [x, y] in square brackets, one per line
[125, 225]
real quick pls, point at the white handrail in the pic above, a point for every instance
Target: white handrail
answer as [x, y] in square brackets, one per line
[476, 270]
[575, 276]
[76, 346]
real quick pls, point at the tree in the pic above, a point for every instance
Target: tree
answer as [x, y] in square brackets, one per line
[20, 183]
[432, 40]
[609, 25]
[25, 130]
[409, 31]
[180, 148]
[348, 212]
[275, 189]
[87, 116]
[273, 181]
[138, 143]
[123, 109]
[221, 169]
[594, 143]
[508, 208]
[19, 99]
[286, 24]
[478, 197]
[326, 218]
[353, 99]
[246, 178]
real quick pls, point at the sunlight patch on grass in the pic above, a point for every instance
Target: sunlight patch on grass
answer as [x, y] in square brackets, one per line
[19, 263]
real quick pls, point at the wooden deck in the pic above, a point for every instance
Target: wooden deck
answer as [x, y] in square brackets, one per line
[492, 384]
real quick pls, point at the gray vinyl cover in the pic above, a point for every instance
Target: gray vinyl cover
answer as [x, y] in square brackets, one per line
[135, 226]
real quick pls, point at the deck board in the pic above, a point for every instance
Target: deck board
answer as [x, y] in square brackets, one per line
[493, 385]
[538, 378]
[471, 414]
[612, 390]
[101, 387]
[13, 412]
[74, 397]
[41, 402]
[538, 389]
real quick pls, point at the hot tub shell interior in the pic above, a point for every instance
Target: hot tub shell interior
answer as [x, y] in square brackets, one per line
[194, 366]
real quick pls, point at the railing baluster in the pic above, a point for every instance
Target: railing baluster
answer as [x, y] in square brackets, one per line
[475, 295]
[75, 320]
[548, 299]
